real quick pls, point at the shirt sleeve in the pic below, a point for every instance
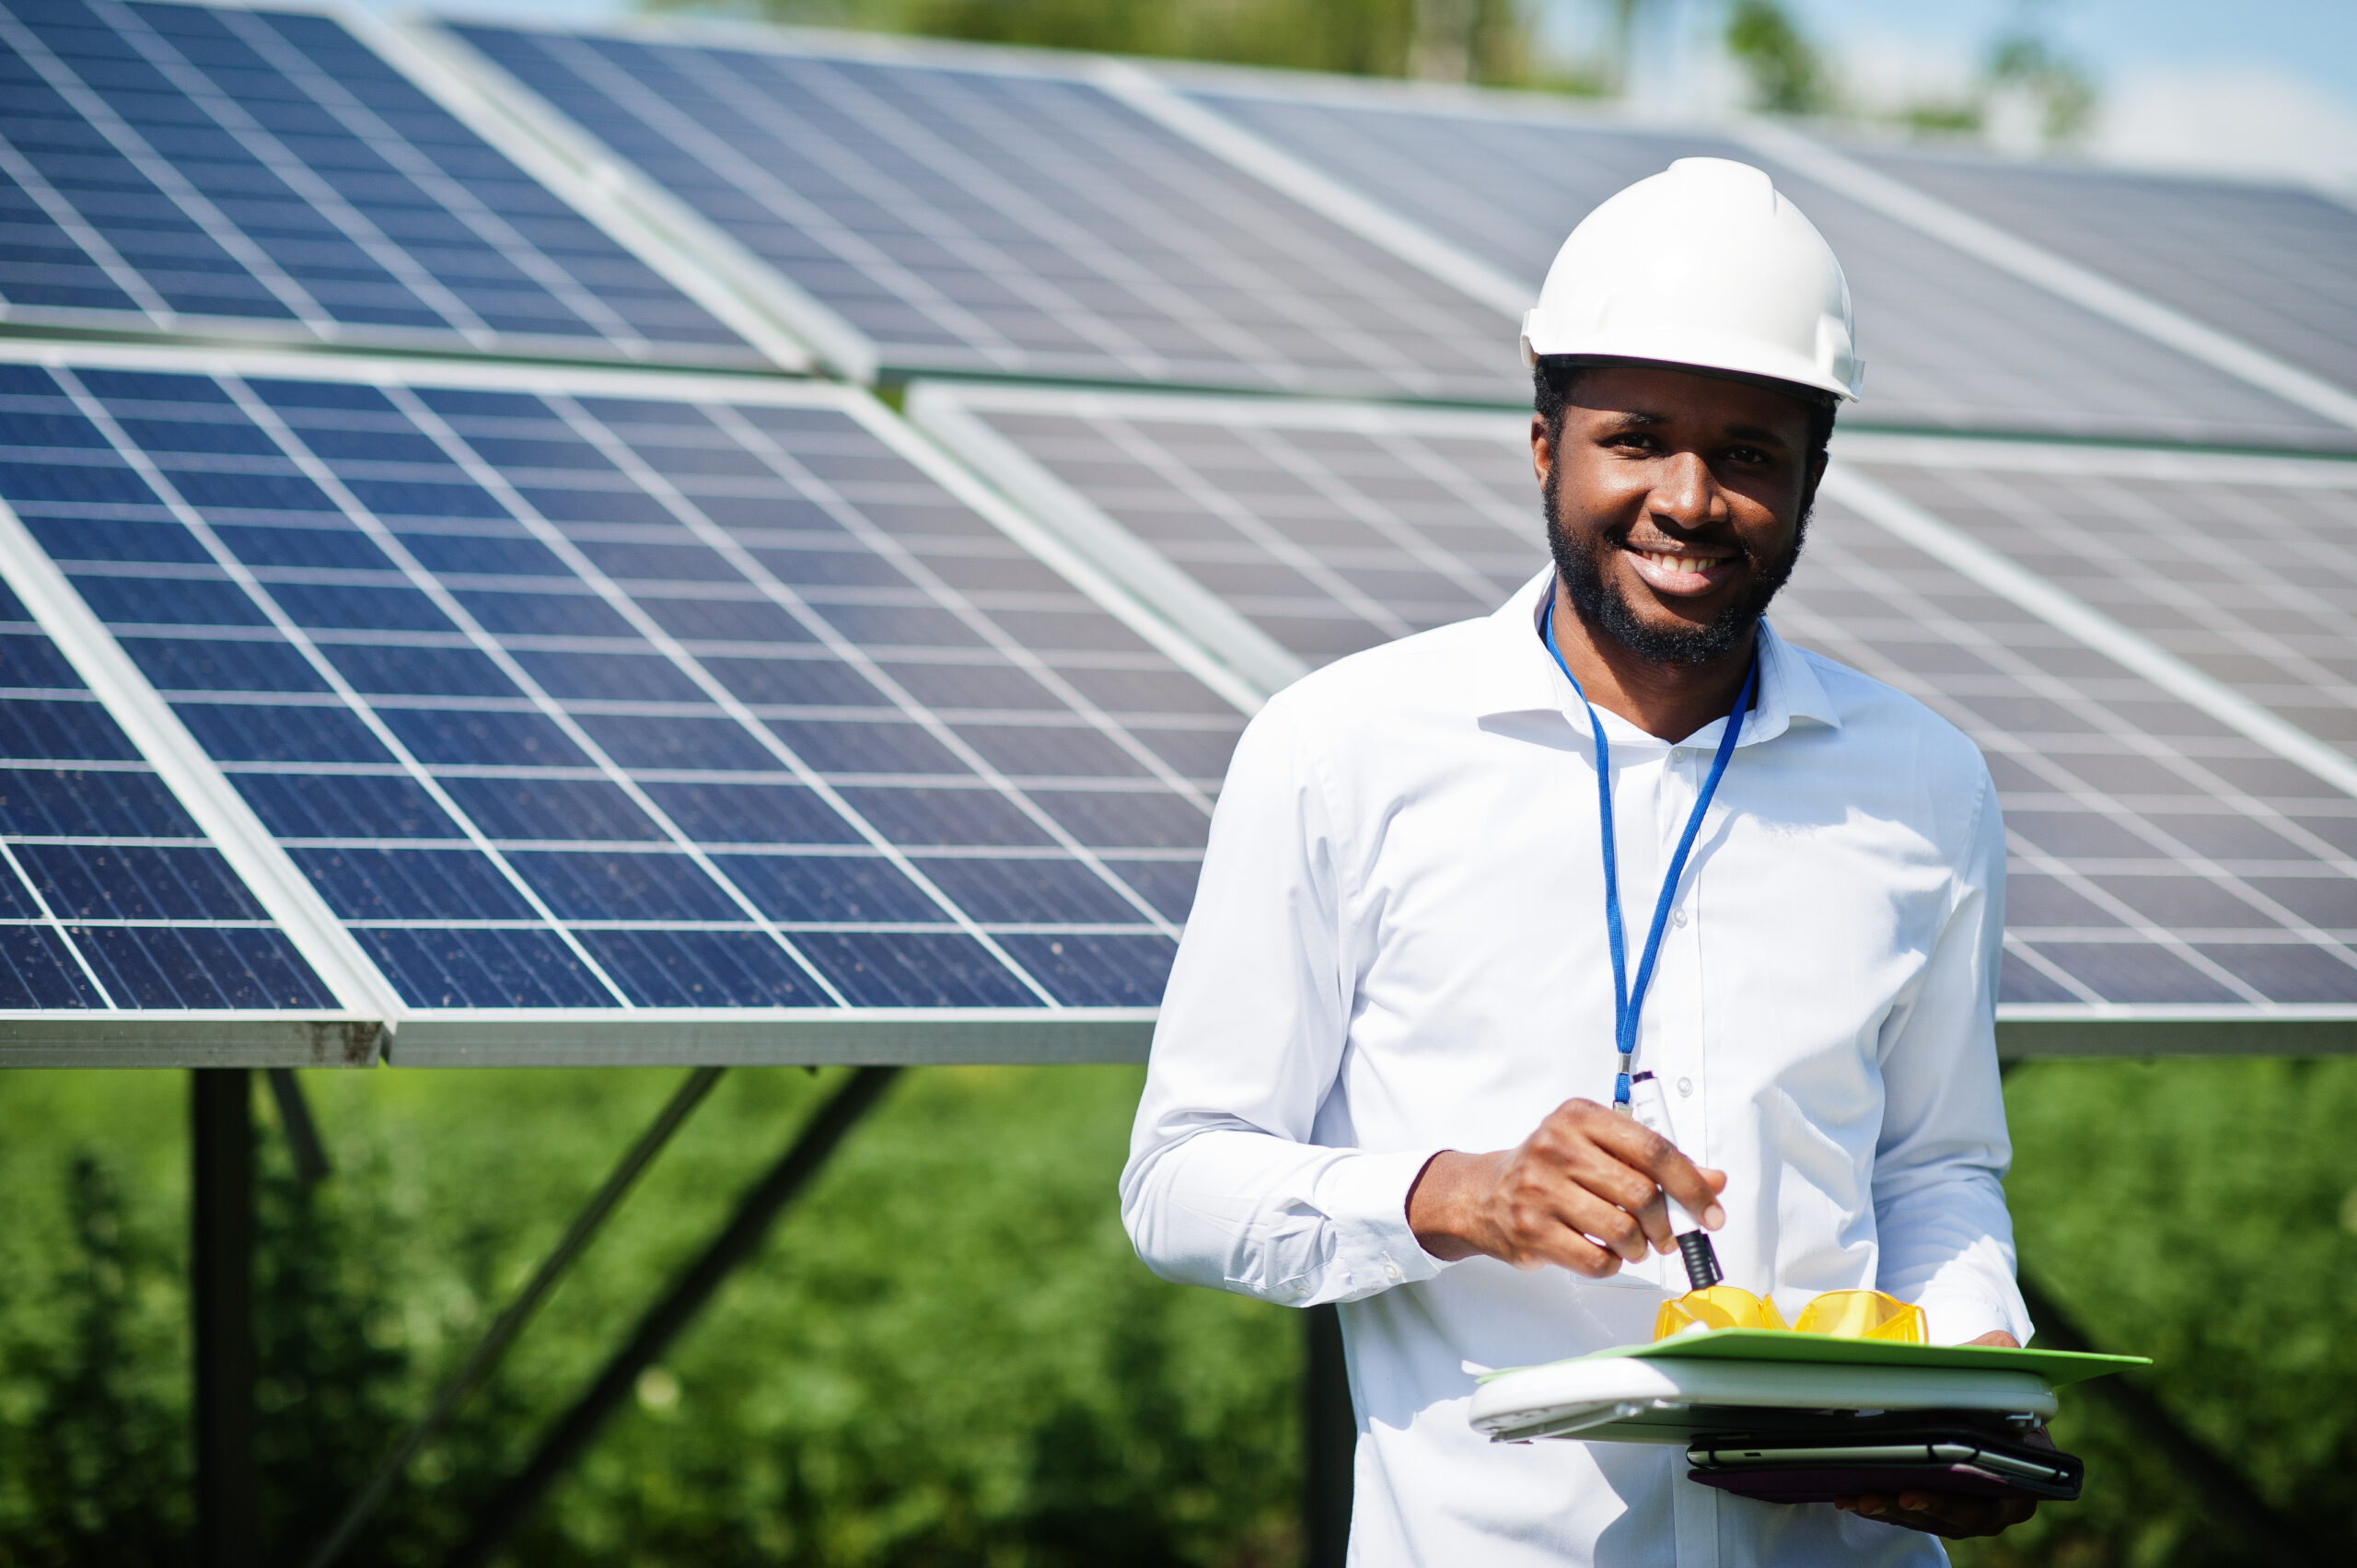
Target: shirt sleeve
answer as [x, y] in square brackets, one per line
[1947, 1240]
[1225, 1185]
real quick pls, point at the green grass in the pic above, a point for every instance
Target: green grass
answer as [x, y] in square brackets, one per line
[946, 1353]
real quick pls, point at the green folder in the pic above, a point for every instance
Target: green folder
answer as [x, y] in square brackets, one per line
[2059, 1367]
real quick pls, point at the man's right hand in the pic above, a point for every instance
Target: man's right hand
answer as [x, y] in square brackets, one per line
[1584, 1191]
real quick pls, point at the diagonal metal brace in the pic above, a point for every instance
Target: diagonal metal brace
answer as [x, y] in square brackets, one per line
[370, 1497]
[737, 1242]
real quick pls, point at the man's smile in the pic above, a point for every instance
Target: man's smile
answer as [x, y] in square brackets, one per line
[1682, 571]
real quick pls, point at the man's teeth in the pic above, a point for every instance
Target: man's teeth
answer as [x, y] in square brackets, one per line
[1684, 563]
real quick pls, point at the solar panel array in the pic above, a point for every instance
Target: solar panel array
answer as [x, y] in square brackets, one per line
[2268, 263]
[263, 173]
[1006, 217]
[641, 698]
[2159, 858]
[1950, 342]
[627, 714]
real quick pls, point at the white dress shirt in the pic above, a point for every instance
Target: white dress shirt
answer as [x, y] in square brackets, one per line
[1398, 947]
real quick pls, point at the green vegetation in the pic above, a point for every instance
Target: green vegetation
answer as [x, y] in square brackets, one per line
[946, 1354]
[1479, 40]
[2021, 74]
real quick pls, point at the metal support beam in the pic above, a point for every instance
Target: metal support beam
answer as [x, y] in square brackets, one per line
[302, 1133]
[229, 1515]
[485, 1355]
[1330, 1439]
[737, 1242]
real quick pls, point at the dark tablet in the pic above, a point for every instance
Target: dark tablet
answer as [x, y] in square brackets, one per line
[1789, 1467]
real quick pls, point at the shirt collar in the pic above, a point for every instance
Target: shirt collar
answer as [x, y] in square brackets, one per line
[1518, 675]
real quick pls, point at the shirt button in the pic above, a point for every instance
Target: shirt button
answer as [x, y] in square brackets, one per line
[1678, 917]
[1685, 1086]
[1392, 1272]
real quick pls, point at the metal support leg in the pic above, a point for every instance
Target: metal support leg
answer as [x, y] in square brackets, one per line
[228, 1522]
[1330, 1435]
[737, 1241]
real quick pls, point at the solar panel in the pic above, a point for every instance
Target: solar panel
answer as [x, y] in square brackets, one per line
[2268, 263]
[219, 170]
[992, 213]
[585, 697]
[112, 899]
[2162, 859]
[1950, 342]
[2243, 567]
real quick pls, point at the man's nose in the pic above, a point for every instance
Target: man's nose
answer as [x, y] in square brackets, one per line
[1686, 494]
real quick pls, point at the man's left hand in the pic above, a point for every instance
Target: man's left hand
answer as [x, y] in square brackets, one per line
[1951, 1513]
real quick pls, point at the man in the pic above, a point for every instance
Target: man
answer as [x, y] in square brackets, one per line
[1387, 1053]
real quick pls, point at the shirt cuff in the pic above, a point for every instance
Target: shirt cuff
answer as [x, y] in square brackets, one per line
[1956, 1319]
[1364, 1198]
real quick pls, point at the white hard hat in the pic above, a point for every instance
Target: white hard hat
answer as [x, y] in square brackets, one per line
[1704, 265]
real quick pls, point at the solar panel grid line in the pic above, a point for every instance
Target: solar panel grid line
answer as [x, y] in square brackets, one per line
[2063, 278]
[980, 254]
[1121, 419]
[1938, 538]
[270, 174]
[1110, 591]
[159, 171]
[1951, 341]
[236, 570]
[321, 474]
[2042, 760]
[2264, 261]
[2113, 746]
[222, 814]
[793, 331]
[70, 222]
[2257, 569]
[370, 126]
[1253, 663]
[1283, 172]
[1007, 646]
[712, 687]
[50, 918]
[383, 998]
[296, 171]
[747, 174]
[1172, 276]
[879, 185]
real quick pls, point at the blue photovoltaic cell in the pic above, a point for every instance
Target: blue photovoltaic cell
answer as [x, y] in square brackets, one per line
[748, 711]
[1950, 342]
[174, 166]
[110, 896]
[1013, 222]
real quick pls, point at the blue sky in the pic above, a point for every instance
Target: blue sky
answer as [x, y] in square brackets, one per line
[2314, 39]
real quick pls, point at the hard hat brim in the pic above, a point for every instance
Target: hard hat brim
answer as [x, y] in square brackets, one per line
[1757, 363]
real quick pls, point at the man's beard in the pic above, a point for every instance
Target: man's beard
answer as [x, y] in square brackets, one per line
[1601, 605]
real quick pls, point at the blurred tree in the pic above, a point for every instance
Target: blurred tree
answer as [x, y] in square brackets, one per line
[1787, 74]
[1475, 41]
[2057, 88]
[100, 1470]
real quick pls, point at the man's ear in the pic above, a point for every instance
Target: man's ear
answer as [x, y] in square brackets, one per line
[1543, 452]
[1816, 476]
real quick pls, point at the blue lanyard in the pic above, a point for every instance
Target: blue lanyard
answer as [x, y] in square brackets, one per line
[1628, 1002]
